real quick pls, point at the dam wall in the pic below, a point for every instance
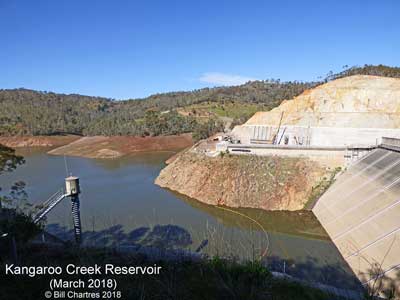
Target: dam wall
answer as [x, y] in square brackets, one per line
[361, 214]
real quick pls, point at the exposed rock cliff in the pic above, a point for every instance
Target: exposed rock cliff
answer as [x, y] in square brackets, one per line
[359, 101]
[270, 183]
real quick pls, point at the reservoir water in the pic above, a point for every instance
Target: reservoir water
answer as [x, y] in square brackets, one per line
[121, 207]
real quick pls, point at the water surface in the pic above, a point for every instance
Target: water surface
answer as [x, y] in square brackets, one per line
[121, 206]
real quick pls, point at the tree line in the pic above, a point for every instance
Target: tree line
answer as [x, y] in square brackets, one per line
[379, 70]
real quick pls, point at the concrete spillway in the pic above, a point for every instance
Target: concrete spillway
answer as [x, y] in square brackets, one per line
[361, 213]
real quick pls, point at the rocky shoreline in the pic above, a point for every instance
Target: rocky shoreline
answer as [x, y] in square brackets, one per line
[268, 182]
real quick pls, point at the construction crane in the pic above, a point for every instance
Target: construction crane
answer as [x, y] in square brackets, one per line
[72, 191]
[275, 139]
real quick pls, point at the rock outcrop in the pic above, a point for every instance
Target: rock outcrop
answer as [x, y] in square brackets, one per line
[270, 183]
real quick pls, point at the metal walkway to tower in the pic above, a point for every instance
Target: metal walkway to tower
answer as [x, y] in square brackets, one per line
[71, 191]
[48, 205]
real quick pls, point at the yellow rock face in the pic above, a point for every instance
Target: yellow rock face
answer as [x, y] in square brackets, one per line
[359, 101]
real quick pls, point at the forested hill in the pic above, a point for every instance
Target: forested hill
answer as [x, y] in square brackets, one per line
[28, 112]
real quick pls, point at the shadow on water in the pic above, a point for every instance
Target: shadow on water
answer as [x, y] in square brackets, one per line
[169, 237]
[173, 239]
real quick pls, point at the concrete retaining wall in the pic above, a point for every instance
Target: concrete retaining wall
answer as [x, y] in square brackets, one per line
[313, 136]
[328, 157]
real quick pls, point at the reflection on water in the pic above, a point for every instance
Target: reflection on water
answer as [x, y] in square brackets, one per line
[299, 223]
[120, 205]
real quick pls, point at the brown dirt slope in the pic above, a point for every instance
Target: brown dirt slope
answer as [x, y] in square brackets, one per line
[37, 141]
[269, 182]
[116, 146]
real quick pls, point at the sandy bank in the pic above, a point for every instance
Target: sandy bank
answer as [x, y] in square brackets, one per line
[37, 141]
[117, 146]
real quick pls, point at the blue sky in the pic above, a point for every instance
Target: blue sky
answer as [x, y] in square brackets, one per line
[129, 49]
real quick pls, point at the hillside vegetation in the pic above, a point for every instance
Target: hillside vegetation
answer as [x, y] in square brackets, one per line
[28, 112]
[380, 70]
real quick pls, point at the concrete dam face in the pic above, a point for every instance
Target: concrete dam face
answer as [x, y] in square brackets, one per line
[361, 213]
